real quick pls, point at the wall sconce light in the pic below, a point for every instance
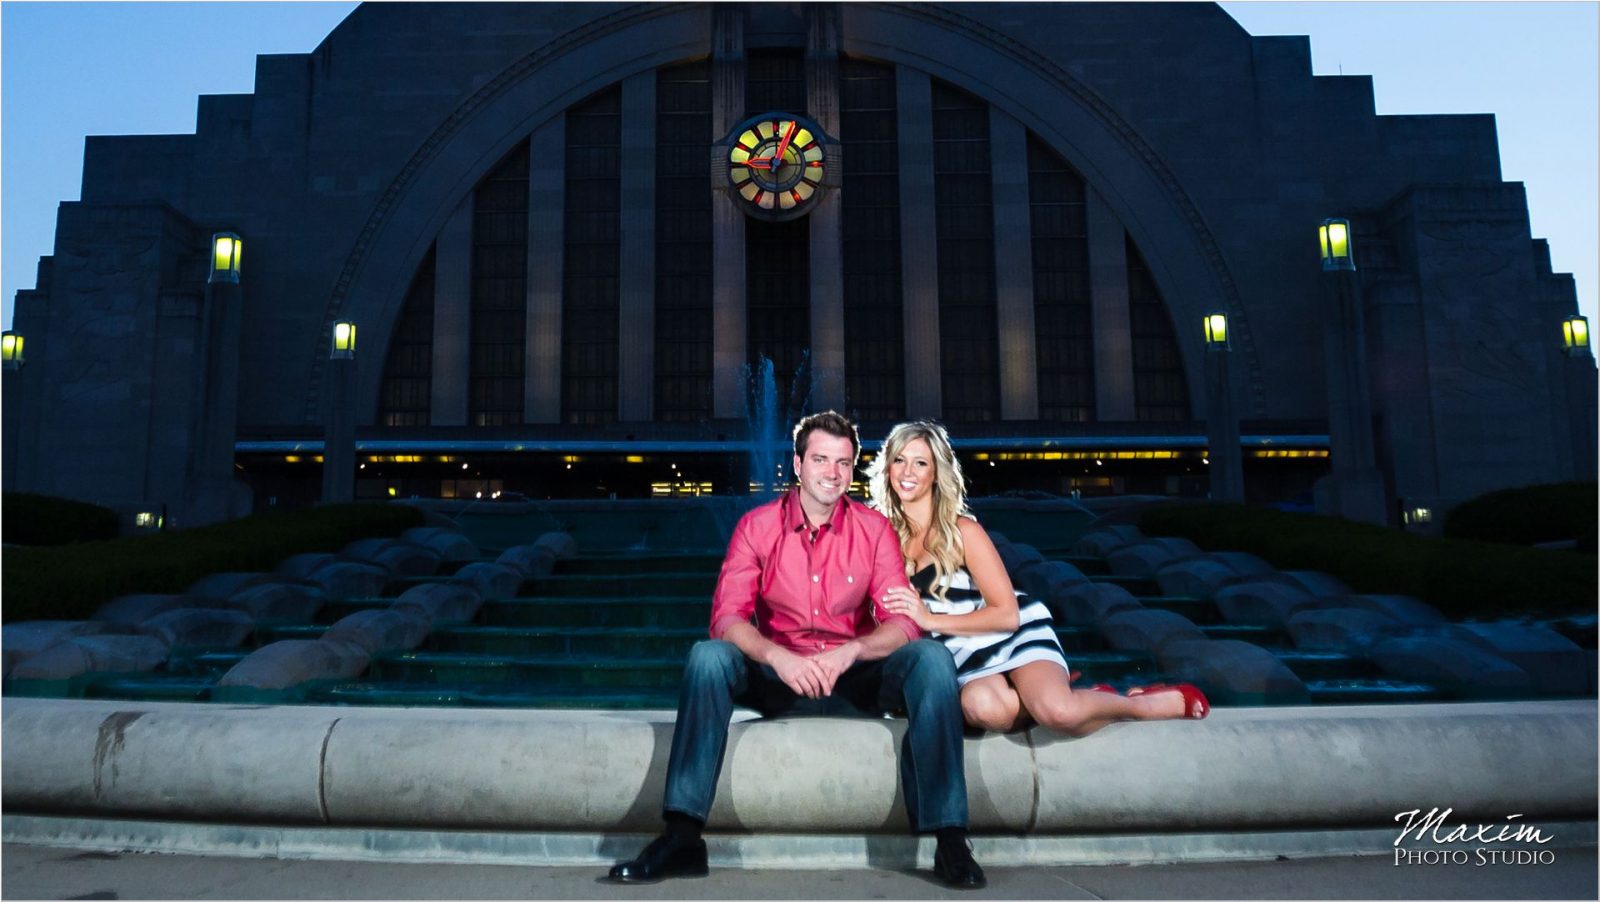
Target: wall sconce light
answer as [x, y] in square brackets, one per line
[11, 350]
[1416, 515]
[225, 250]
[1574, 335]
[1335, 238]
[1217, 332]
[344, 341]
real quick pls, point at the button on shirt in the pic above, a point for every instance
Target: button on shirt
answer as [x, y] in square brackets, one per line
[809, 595]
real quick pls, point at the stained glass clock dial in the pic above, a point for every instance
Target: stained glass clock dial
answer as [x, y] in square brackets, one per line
[777, 163]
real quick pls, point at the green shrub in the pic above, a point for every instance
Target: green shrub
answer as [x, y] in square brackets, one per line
[1536, 513]
[70, 582]
[1459, 577]
[42, 520]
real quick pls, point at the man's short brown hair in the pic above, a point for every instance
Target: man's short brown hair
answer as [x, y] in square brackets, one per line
[831, 422]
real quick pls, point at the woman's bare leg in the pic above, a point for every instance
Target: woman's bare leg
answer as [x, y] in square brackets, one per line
[989, 703]
[1046, 696]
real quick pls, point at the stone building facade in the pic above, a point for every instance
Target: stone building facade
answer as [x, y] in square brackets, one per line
[530, 212]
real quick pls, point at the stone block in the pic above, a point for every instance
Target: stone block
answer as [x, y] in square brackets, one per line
[132, 610]
[1349, 631]
[365, 549]
[1556, 664]
[379, 631]
[1315, 584]
[1246, 565]
[490, 580]
[299, 566]
[1231, 672]
[220, 586]
[1403, 608]
[1045, 579]
[279, 602]
[409, 559]
[1086, 604]
[1018, 557]
[561, 544]
[530, 560]
[1463, 670]
[1194, 578]
[452, 546]
[441, 602]
[93, 654]
[1140, 560]
[200, 626]
[21, 641]
[295, 661]
[1262, 602]
[1103, 541]
[350, 579]
[1147, 630]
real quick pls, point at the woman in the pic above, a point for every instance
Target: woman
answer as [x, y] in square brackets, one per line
[1008, 660]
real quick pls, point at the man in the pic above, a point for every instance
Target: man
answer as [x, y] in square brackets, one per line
[813, 568]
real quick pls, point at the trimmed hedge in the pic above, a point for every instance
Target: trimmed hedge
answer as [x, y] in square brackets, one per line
[44, 520]
[70, 582]
[1461, 578]
[1535, 513]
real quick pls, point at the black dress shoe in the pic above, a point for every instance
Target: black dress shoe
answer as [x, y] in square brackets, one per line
[954, 867]
[665, 857]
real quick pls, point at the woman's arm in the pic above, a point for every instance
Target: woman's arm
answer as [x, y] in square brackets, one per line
[999, 611]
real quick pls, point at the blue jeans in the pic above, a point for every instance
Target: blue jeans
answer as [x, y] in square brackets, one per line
[919, 678]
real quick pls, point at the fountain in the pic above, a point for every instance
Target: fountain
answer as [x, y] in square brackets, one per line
[765, 431]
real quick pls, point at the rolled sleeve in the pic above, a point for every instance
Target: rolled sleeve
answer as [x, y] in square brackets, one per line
[735, 598]
[888, 571]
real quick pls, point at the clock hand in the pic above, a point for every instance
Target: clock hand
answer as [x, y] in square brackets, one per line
[777, 156]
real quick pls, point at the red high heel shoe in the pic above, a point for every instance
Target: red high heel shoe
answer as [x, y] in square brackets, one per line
[1195, 705]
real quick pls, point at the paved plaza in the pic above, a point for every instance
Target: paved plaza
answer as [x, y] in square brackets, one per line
[38, 872]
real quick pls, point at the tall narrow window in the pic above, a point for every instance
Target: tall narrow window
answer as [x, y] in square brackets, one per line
[964, 209]
[683, 243]
[408, 372]
[775, 79]
[1062, 318]
[590, 292]
[499, 292]
[1160, 391]
[870, 203]
[778, 286]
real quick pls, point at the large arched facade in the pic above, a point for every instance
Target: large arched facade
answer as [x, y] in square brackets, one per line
[1029, 209]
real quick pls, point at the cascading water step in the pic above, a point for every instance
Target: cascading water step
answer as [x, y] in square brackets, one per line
[617, 613]
[562, 642]
[597, 672]
[700, 585]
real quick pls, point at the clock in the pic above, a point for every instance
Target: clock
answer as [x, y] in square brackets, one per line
[777, 164]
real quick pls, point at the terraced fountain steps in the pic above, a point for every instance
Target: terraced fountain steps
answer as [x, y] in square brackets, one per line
[487, 695]
[567, 642]
[616, 564]
[627, 611]
[1201, 612]
[696, 585]
[522, 673]
[1136, 585]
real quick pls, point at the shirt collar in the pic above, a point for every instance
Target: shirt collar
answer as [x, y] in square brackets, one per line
[795, 516]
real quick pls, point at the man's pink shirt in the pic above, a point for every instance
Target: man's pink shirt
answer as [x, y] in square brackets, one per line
[810, 596]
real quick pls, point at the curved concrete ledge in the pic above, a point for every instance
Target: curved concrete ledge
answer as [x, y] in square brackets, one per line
[1260, 769]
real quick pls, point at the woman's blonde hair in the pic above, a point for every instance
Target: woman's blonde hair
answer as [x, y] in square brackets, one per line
[943, 539]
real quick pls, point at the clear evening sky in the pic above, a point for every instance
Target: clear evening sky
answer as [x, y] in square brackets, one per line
[73, 69]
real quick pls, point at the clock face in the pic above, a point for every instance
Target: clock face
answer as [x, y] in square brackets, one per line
[776, 163]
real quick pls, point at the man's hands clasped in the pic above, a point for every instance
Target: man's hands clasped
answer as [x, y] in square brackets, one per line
[814, 677]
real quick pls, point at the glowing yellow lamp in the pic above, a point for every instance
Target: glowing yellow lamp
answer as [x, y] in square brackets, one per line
[1574, 336]
[1335, 238]
[225, 251]
[11, 350]
[1216, 332]
[344, 341]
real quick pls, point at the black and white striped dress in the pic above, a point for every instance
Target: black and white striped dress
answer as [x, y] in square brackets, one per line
[991, 653]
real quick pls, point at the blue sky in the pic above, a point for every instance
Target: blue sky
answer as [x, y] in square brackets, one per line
[73, 69]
